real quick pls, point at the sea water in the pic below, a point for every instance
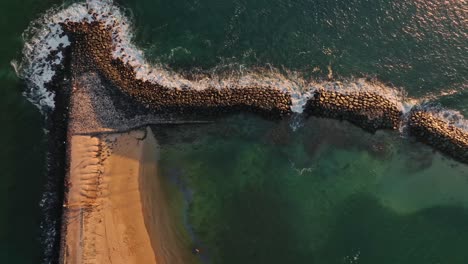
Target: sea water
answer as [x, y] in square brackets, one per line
[323, 192]
[326, 192]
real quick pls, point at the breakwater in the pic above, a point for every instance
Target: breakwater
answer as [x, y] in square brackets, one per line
[441, 135]
[100, 37]
[92, 43]
[367, 110]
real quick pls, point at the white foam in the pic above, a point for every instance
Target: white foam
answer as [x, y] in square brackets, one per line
[43, 37]
[452, 117]
[360, 85]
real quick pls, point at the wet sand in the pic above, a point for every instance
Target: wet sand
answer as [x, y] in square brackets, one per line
[118, 209]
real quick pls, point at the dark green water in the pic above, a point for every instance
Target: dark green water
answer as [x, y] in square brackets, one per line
[420, 45]
[22, 146]
[326, 193]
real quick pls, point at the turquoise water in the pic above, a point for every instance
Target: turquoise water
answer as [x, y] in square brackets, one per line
[324, 193]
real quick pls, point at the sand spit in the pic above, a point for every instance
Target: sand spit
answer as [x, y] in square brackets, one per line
[116, 209]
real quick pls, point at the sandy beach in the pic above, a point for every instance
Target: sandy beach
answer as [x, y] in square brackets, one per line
[118, 209]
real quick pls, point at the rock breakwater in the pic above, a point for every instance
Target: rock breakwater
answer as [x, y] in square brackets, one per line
[93, 44]
[367, 110]
[441, 135]
[100, 35]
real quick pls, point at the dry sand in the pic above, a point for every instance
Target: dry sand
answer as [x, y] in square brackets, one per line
[118, 209]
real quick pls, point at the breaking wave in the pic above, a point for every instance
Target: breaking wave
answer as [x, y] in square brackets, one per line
[452, 117]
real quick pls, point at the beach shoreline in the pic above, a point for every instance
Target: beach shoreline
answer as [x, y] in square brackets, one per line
[117, 208]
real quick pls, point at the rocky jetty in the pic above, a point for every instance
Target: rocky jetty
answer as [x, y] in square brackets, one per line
[93, 44]
[439, 134]
[367, 110]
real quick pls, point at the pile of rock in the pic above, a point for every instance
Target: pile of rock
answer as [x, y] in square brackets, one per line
[439, 134]
[92, 46]
[92, 51]
[367, 110]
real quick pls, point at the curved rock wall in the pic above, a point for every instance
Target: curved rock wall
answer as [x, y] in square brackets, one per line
[92, 51]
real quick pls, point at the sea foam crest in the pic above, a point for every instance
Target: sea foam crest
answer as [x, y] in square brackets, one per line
[43, 37]
[44, 41]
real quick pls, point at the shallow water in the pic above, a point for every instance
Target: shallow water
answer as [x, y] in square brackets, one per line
[324, 193]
